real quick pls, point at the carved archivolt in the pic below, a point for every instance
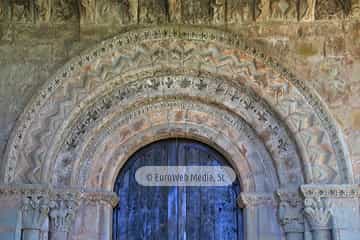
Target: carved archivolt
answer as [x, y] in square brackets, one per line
[128, 77]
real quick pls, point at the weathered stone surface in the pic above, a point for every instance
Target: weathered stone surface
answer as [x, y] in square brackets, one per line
[315, 40]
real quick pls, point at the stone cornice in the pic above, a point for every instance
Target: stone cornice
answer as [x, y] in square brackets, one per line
[330, 191]
[246, 200]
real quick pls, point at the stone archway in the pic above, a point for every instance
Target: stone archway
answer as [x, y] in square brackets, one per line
[154, 83]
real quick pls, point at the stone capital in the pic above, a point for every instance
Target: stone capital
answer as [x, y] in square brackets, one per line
[246, 200]
[35, 209]
[318, 213]
[63, 207]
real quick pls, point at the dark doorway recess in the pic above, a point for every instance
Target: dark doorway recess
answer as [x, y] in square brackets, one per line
[175, 213]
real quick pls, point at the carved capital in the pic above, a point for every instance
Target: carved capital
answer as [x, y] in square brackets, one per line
[318, 213]
[63, 207]
[35, 209]
[246, 200]
[291, 211]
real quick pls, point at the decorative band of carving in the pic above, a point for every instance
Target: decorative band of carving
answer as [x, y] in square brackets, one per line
[104, 197]
[70, 194]
[246, 200]
[330, 191]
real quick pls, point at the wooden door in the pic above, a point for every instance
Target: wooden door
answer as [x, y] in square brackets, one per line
[175, 213]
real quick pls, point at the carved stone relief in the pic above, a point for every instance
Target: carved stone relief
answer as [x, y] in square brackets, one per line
[168, 112]
[62, 214]
[35, 209]
[87, 11]
[355, 9]
[64, 10]
[283, 9]
[152, 11]
[215, 12]
[239, 11]
[318, 214]
[43, 10]
[219, 11]
[262, 10]
[154, 53]
[5, 10]
[196, 12]
[328, 9]
[174, 11]
[21, 11]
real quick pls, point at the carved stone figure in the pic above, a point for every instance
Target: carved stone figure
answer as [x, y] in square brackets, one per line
[355, 9]
[238, 11]
[21, 11]
[35, 210]
[152, 11]
[196, 12]
[262, 10]
[283, 9]
[43, 10]
[174, 11]
[307, 10]
[134, 11]
[328, 9]
[87, 11]
[4, 9]
[62, 214]
[218, 7]
[63, 10]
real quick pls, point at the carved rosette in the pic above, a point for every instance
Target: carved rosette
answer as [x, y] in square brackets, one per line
[35, 209]
[290, 211]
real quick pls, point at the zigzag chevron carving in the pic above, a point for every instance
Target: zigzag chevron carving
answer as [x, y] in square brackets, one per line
[139, 53]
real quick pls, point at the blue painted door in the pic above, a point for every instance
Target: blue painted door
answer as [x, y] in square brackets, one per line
[175, 213]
